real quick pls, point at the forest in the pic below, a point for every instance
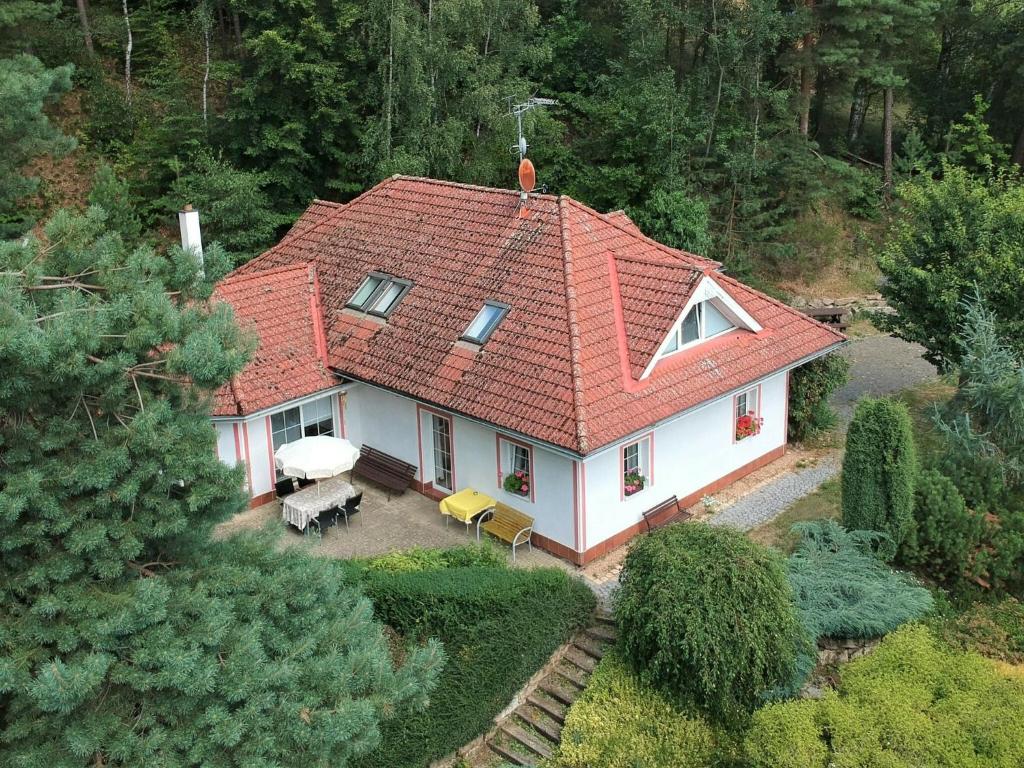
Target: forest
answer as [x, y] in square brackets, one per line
[771, 135]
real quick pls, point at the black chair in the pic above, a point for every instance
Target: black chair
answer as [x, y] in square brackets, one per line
[284, 487]
[350, 508]
[304, 483]
[326, 518]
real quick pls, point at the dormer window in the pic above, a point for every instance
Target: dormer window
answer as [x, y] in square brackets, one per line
[486, 320]
[704, 321]
[379, 294]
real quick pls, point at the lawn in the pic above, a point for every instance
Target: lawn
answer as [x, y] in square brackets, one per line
[823, 504]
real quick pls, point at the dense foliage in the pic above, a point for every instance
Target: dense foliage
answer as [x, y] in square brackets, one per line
[879, 470]
[993, 629]
[707, 616]
[810, 387]
[618, 722]
[911, 703]
[498, 626]
[126, 639]
[953, 237]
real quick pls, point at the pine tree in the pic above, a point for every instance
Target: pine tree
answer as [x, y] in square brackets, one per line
[126, 639]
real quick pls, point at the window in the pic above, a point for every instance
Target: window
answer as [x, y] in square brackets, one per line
[441, 433]
[485, 322]
[314, 418]
[636, 463]
[379, 294]
[515, 468]
[747, 414]
[703, 321]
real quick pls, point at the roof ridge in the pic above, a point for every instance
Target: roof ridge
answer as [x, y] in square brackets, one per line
[466, 185]
[234, 276]
[575, 367]
[676, 253]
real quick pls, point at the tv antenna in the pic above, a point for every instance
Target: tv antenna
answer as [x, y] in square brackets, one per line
[518, 110]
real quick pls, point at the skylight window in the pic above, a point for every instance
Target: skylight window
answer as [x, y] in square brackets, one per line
[703, 321]
[485, 322]
[379, 294]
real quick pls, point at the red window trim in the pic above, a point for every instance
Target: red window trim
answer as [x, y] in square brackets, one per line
[650, 463]
[498, 438]
[732, 411]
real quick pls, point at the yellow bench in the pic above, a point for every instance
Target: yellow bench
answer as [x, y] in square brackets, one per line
[507, 524]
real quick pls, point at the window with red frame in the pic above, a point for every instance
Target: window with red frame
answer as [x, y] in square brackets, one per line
[636, 462]
[747, 414]
[516, 468]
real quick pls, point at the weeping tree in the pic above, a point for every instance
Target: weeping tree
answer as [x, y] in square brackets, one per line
[126, 638]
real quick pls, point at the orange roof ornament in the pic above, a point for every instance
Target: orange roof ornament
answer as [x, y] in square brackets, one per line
[527, 173]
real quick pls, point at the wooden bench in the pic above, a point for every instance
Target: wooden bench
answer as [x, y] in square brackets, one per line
[394, 474]
[671, 504]
[507, 524]
[831, 316]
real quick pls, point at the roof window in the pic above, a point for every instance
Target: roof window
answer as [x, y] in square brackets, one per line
[379, 294]
[486, 320]
[703, 321]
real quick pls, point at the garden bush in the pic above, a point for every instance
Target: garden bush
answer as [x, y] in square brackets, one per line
[422, 559]
[618, 722]
[810, 386]
[842, 589]
[944, 536]
[879, 469]
[498, 626]
[993, 629]
[707, 616]
[911, 703]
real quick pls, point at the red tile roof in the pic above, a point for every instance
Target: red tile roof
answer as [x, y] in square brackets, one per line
[279, 306]
[591, 301]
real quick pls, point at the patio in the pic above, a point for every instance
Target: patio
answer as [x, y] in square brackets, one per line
[407, 520]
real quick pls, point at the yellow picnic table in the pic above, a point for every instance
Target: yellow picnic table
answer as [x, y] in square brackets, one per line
[465, 505]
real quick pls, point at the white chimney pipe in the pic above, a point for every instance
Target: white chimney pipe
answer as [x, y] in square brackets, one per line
[191, 239]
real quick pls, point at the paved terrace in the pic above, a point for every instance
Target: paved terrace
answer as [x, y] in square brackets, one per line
[407, 520]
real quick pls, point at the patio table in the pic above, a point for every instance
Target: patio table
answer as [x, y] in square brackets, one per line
[302, 506]
[465, 505]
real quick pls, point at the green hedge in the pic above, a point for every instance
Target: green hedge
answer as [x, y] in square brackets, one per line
[810, 387]
[619, 722]
[911, 703]
[498, 626]
[707, 616]
[995, 630]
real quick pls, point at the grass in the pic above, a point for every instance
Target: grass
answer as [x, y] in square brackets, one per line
[921, 400]
[823, 504]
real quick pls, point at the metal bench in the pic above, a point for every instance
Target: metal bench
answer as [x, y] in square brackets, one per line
[507, 524]
[655, 517]
[394, 474]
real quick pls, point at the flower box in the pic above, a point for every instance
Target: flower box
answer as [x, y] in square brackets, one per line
[748, 425]
[633, 482]
[518, 483]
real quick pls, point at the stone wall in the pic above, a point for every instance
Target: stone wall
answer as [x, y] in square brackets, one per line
[832, 651]
[872, 302]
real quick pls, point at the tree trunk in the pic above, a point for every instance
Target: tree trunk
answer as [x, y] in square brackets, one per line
[858, 109]
[887, 144]
[1018, 148]
[127, 55]
[83, 17]
[237, 23]
[207, 28]
[391, 81]
[806, 76]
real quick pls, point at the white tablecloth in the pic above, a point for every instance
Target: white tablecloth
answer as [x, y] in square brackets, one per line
[302, 506]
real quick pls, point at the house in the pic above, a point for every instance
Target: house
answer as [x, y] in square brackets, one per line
[546, 354]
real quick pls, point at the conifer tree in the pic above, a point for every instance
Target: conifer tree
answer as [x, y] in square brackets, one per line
[126, 638]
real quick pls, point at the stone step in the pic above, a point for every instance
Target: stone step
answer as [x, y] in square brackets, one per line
[540, 722]
[510, 755]
[550, 707]
[589, 646]
[557, 692]
[582, 660]
[604, 617]
[530, 741]
[573, 674]
[602, 633]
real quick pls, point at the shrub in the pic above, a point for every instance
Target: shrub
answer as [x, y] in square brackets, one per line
[945, 535]
[912, 703]
[421, 559]
[498, 626]
[995, 630]
[707, 616]
[618, 722]
[879, 469]
[810, 386]
[842, 589]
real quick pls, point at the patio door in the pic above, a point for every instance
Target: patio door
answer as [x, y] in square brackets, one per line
[441, 433]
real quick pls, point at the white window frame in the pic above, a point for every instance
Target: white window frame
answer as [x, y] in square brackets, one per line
[747, 396]
[644, 459]
[509, 454]
[674, 343]
[312, 408]
[434, 420]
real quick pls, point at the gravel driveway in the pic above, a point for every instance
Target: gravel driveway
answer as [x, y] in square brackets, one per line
[882, 365]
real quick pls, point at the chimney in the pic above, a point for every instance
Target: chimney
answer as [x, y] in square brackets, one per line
[191, 240]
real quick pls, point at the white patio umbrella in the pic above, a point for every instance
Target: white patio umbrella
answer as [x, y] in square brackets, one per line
[317, 457]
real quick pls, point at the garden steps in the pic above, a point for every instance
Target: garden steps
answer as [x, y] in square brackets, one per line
[553, 709]
[534, 742]
[542, 723]
[512, 756]
[558, 691]
[582, 660]
[573, 674]
[602, 633]
[591, 647]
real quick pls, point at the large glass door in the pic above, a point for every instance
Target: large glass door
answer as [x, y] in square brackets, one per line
[441, 429]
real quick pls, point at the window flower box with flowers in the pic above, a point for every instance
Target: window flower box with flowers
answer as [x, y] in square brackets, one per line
[518, 483]
[748, 425]
[633, 482]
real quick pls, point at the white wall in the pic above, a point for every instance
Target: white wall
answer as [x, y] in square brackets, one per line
[385, 421]
[689, 454]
